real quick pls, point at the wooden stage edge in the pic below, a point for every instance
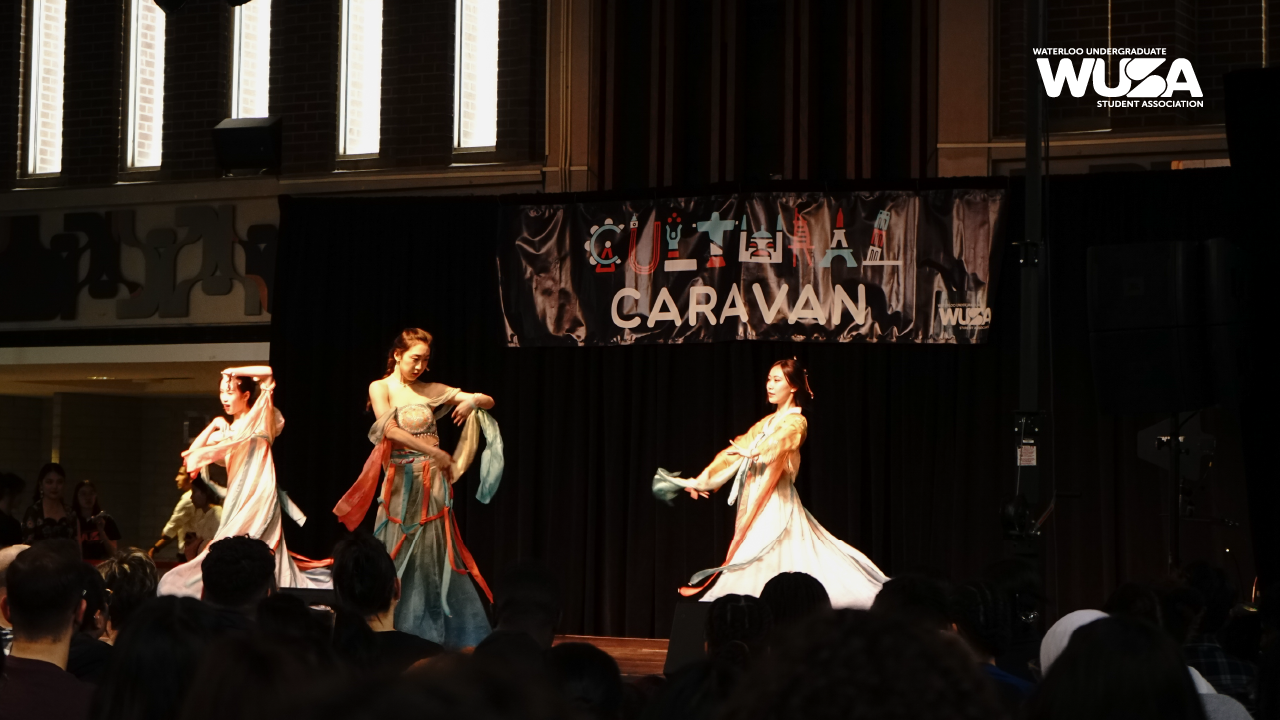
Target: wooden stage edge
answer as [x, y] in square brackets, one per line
[635, 656]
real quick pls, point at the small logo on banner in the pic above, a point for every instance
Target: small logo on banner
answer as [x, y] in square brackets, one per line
[966, 315]
[604, 260]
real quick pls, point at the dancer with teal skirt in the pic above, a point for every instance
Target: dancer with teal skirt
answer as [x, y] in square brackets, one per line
[415, 517]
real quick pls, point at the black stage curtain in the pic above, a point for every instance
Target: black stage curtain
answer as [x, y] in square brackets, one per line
[910, 448]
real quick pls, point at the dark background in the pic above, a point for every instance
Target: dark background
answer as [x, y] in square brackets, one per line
[910, 451]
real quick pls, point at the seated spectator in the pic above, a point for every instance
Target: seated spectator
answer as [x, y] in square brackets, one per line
[285, 621]
[984, 619]
[793, 596]
[518, 651]
[1056, 639]
[1228, 675]
[156, 657]
[589, 680]
[239, 572]
[195, 518]
[1115, 668]
[364, 579]
[99, 534]
[738, 627]
[855, 664]
[89, 654]
[1019, 579]
[916, 599]
[50, 517]
[1135, 600]
[249, 679]
[131, 579]
[528, 601]
[43, 604]
[11, 487]
[6, 630]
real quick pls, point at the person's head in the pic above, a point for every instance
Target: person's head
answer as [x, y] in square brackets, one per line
[1056, 639]
[237, 394]
[131, 579]
[410, 354]
[201, 496]
[854, 664]
[1182, 609]
[94, 621]
[182, 479]
[738, 619]
[7, 555]
[364, 575]
[789, 379]
[517, 650]
[238, 573]
[793, 596]
[50, 482]
[984, 617]
[1218, 591]
[917, 599]
[589, 679]
[11, 487]
[527, 600]
[287, 622]
[1117, 668]
[43, 599]
[86, 499]
[155, 658]
[1135, 600]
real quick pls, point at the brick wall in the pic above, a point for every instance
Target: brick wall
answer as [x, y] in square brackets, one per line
[1154, 23]
[1230, 37]
[99, 440]
[93, 91]
[12, 55]
[1072, 24]
[196, 87]
[417, 82]
[522, 29]
[304, 81]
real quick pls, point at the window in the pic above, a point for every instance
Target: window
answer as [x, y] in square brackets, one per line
[44, 99]
[146, 84]
[475, 110]
[360, 91]
[251, 59]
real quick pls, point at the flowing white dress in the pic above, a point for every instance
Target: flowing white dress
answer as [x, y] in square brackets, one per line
[773, 532]
[254, 505]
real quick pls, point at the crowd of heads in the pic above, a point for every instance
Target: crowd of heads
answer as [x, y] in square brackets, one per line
[925, 649]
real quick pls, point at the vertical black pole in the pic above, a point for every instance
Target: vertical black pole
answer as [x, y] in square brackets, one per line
[1175, 489]
[1029, 353]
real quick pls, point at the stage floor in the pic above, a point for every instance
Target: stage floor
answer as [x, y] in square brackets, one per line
[635, 656]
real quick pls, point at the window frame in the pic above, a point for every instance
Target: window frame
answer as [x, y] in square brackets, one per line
[30, 107]
[343, 47]
[133, 7]
[470, 151]
[233, 100]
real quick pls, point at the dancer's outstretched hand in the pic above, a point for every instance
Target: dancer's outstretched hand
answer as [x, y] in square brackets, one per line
[695, 493]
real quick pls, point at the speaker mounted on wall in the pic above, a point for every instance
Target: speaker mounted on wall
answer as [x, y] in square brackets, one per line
[248, 145]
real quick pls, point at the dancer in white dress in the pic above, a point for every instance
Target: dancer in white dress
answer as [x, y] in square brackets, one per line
[773, 532]
[254, 505]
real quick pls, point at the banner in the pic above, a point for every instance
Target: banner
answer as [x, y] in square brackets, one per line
[891, 266]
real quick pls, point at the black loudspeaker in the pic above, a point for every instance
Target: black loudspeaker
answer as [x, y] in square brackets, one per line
[248, 143]
[688, 636]
[1253, 104]
[1163, 325]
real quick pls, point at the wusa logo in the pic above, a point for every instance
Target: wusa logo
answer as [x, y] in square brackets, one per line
[1135, 77]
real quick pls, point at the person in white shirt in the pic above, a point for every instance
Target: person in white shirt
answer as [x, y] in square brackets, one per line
[195, 518]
